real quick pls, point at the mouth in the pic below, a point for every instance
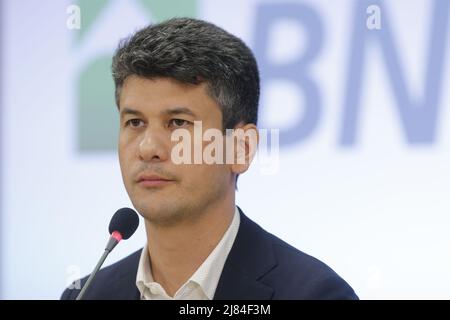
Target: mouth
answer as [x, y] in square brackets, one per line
[152, 181]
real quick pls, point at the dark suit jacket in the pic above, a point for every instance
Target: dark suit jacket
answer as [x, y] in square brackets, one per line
[259, 266]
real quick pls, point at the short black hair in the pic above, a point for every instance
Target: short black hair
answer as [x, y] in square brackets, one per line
[194, 51]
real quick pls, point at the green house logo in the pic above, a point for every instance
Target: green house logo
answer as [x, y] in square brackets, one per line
[97, 116]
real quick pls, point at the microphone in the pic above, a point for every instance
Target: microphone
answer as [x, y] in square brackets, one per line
[122, 226]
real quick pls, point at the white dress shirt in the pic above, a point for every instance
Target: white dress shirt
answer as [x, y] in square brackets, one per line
[202, 284]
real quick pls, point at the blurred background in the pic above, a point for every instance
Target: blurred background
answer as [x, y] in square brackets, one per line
[358, 89]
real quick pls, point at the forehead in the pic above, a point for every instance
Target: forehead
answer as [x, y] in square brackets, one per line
[158, 94]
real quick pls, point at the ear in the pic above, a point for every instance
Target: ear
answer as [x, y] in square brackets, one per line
[245, 138]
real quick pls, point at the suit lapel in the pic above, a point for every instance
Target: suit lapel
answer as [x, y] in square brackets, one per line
[250, 258]
[126, 288]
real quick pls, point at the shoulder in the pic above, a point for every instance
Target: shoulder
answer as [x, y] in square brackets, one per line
[298, 275]
[291, 273]
[109, 281]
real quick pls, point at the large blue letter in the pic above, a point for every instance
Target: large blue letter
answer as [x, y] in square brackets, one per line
[417, 117]
[297, 72]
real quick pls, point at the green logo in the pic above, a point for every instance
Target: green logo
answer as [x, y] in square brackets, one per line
[98, 120]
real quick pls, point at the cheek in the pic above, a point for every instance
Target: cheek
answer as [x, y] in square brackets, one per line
[125, 158]
[203, 176]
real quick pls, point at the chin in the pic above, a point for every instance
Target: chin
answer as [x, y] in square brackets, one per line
[157, 211]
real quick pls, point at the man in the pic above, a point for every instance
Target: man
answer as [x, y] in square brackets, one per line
[171, 76]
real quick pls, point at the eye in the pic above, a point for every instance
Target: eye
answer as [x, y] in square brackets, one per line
[134, 123]
[178, 123]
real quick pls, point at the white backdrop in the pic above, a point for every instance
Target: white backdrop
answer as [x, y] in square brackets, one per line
[376, 210]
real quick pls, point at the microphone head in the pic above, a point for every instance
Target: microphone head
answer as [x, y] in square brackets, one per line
[125, 221]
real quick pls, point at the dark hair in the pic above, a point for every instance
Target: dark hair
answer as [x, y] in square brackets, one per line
[193, 51]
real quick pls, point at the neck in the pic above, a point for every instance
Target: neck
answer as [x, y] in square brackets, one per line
[178, 251]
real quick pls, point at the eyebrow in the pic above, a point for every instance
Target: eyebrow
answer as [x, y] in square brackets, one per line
[179, 110]
[170, 112]
[126, 111]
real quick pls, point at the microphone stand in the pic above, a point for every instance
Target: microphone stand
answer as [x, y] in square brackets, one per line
[112, 242]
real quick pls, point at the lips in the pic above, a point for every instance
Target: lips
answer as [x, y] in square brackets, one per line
[152, 180]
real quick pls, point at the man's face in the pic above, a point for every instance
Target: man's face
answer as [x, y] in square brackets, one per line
[150, 110]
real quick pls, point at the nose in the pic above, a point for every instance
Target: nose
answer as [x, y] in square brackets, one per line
[153, 146]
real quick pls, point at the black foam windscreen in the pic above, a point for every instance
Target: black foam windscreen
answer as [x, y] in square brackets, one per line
[125, 221]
